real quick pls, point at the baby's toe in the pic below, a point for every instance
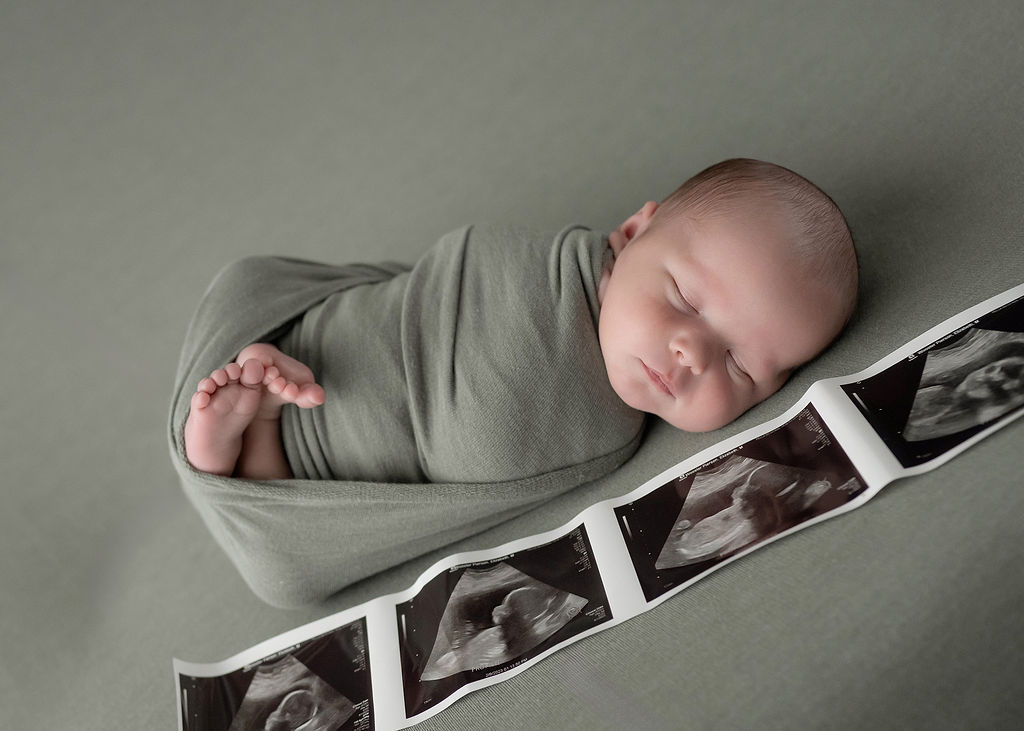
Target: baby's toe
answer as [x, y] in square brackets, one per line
[310, 395]
[220, 377]
[207, 385]
[233, 371]
[200, 400]
[251, 373]
[276, 385]
[290, 392]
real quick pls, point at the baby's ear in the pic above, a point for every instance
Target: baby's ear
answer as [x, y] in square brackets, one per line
[632, 227]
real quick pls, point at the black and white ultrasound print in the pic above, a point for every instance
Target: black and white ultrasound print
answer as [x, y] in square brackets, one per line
[528, 612]
[285, 695]
[761, 489]
[971, 382]
[738, 502]
[478, 620]
[322, 684]
[939, 397]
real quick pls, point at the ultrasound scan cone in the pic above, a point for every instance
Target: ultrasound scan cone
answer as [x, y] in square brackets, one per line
[495, 615]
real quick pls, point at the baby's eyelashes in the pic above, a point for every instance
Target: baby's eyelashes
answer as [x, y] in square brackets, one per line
[683, 303]
[735, 366]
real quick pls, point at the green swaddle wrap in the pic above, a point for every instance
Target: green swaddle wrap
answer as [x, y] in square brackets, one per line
[461, 392]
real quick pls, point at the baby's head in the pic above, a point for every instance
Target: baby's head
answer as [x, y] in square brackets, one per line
[718, 293]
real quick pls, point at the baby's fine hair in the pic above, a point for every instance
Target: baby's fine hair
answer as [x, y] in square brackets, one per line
[823, 239]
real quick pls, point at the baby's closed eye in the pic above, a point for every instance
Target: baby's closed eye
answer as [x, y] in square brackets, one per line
[682, 302]
[735, 367]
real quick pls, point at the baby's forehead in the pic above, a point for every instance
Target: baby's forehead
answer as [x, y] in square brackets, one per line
[747, 226]
[757, 281]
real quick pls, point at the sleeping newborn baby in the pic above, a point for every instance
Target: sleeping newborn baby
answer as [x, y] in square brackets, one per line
[504, 354]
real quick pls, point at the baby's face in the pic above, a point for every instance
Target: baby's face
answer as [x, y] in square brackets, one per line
[702, 320]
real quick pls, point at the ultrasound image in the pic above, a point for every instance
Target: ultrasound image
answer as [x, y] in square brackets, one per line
[940, 397]
[494, 615]
[320, 684]
[287, 696]
[479, 620]
[738, 502]
[976, 380]
[761, 489]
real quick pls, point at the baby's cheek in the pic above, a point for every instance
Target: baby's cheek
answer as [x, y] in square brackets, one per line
[716, 408]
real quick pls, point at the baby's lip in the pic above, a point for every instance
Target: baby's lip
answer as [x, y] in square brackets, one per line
[663, 383]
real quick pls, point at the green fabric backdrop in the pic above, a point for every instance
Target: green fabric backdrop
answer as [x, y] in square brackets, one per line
[145, 144]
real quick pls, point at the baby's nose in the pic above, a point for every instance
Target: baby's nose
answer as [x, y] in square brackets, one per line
[692, 351]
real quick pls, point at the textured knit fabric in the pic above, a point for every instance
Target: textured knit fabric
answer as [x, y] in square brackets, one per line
[460, 392]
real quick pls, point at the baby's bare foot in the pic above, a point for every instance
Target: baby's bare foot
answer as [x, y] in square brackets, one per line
[287, 381]
[222, 407]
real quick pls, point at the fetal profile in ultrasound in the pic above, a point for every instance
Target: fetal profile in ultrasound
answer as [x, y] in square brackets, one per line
[765, 487]
[941, 396]
[479, 620]
[495, 615]
[287, 696]
[971, 382]
[321, 684]
[737, 503]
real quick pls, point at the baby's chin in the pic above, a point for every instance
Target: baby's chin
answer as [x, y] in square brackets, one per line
[694, 420]
[695, 426]
[683, 419]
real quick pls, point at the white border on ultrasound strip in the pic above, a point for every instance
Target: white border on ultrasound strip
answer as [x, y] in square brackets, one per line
[863, 446]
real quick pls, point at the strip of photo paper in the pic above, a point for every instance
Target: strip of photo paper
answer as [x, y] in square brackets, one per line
[314, 677]
[478, 618]
[758, 491]
[949, 391]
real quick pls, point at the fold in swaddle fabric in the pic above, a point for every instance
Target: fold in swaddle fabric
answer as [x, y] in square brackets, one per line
[461, 392]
